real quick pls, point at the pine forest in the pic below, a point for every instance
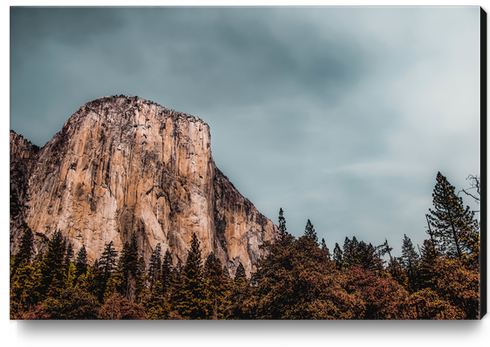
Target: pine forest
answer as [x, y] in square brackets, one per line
[299, 278]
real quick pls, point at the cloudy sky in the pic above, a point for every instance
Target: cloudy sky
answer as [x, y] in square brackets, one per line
[339, 115]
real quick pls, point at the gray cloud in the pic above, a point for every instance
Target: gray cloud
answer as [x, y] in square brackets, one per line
[340, 115]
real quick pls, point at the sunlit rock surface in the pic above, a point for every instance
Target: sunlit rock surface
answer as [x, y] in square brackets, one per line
[124, 165]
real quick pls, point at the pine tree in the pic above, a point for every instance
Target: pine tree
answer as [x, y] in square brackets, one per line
[191, 296]
[428, 260]
[52, 266]
[310, 231]
[69, 253]
[26, 249]
[350, 252]
[129, 268]
[108, 259]
[410, 263]
[166, 272]
[155, 265]
[282, 223]
[216, 286]
[240, 272]
[81, 261]
[338, 257]
[368, 257]
[454, 226]
[237, 295]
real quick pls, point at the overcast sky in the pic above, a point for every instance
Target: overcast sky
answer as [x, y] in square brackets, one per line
[342, 116]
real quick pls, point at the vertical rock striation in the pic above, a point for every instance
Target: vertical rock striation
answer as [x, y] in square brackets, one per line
[124, 165]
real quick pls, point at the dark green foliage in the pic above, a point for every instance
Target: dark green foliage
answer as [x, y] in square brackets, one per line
[216, 285]
[93, 281]
[26, 250]
[130, 270]
[108, 259]
[324, 247]
[240, 272]
[24, 288]
[455, 230]
[69, 253]
[293, 278]
[72, 303]
[360, 253]
[338, 257]
[282, 223]
[296, 281]
[155, 265]
[410, 262]
[310, 231]
[53, 268]
[239, 292]
[81, 261]
[191, 296]
[166, 272]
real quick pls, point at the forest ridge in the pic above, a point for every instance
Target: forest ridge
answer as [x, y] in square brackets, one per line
[296, 278]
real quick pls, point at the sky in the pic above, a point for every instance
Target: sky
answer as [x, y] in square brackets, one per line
[340, 115]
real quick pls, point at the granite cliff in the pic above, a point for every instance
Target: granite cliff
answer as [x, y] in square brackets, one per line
[122, 166]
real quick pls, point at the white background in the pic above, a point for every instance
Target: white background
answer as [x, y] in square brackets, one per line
[270, 333]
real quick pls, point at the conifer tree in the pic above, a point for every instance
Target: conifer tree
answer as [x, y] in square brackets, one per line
[52, 266]
[155, 265]
[429, 256]
[338, 257]
[191, 296]
[216, 286]
[26, 249]
[81, 261]
[282, 223]
[108, 259]
[69, 253]
[166, 272]
[350, 252]
[240, 272]
[453, 225]
[310, 231]
[129, 268]
[237, 296]
[410, 263]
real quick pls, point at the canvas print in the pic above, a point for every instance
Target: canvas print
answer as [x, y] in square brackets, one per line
[342, 180]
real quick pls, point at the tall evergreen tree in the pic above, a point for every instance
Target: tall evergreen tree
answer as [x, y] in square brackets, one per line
[350, 252]
[166, 272]
[129, 267]
[69, 253]
[310, 231]
[26, 249]
[81, 261]
[453, 225]
[338, 257]
[240, 272]
[155, 265]
[282, 223]
[216, 286]
[108, 259]
[410, 263]
[237, 295]
[52, 266]
[191, 297]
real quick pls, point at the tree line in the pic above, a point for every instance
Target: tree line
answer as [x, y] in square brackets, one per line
[299, 278]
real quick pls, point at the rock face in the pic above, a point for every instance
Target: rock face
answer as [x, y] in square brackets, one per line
[23, 157]
[124, 165]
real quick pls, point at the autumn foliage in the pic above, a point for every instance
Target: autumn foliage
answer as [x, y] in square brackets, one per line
[297, 279]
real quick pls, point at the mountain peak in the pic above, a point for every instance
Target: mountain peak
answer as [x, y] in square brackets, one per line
[124, 166]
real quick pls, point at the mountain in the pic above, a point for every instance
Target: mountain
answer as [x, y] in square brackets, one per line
[122, 166]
